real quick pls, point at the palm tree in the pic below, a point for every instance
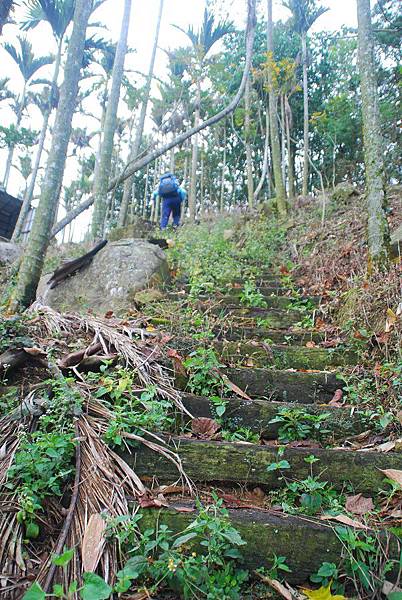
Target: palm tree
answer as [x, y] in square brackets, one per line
[6, 7]
[202, 41]
[103, 172]
[378, 229]
[304, 14]
[58, 14]
[35, 252]
[128, 184]
[28, 65]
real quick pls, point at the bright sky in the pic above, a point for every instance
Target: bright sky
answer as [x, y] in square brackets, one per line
[143, 20]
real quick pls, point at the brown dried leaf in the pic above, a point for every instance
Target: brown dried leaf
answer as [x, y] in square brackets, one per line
[386, 447]
[393, 474]
[311, 344]
[345, 520]
[177, 360]
[336, 399]
[235, 388]
[359, 505]
[93, 542]
[204, 427]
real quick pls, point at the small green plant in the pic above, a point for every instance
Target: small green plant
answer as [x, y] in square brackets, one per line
[327, 574]
[240, 434]
[297, 424]
[219, 405]
[278, 466]
[202, 367]
[308, 496]
[251, 296]
[165, 560]
[277, 570]
[93, 588]
[13, 332]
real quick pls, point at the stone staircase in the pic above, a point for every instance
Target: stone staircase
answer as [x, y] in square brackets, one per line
[279, 373]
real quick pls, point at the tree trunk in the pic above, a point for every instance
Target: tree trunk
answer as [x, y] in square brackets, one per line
[264, 171]
[273, 118]
[305, 116]
[140, 126]
[283, 138]
[222, 194]
[247, 131]
[378, 229]
[291, 174]
[35, 251]
[192, 197]
[181, 138]
[10, 155]
[29, 192]
[102, 180]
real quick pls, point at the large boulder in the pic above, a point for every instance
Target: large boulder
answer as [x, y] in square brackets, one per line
[9, 252]
[111, 281]
[396, 242]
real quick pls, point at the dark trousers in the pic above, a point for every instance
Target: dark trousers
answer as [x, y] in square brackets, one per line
[171, 206]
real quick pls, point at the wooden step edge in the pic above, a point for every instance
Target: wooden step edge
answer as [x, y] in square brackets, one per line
[257, 414]
[241, 463]
[305, 542]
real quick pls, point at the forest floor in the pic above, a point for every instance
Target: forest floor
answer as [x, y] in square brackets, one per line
[236, 435]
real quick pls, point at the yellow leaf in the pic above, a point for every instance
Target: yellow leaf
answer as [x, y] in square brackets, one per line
[323, 593]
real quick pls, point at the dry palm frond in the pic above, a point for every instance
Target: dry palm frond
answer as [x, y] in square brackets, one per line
[119, 335]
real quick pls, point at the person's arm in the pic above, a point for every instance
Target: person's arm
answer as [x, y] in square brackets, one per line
[183, 194]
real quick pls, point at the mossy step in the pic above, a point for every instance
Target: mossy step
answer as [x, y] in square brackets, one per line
[278, 336]
[227, 462]
[286, 386]
[234, 300]
[306, 543]
[257, 414]
[274, 318]
[283, 356]
[236, 289]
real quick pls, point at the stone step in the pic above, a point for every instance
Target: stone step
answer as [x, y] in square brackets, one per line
[286, 386]
[228, 462]
[292, 337]
[232, 300]
[273, 318]
[305, 543]
[257, 414]
[282, 356]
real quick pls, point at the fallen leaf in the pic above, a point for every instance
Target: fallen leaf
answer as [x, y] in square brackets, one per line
[35, 352]
[386, 447]
[304, 444]
[391, 320]
[393, 474]
[93, 542]
[336, 398]
[359, 505]
[149, 501]
[109, 314]
[311, 344]
[399, 416]
[323, 593]
[345, 520]
[204, 427]
[283, 589]
[177, 361]
[235, 388]
[171, 489]
[183, 509]
[390, 588]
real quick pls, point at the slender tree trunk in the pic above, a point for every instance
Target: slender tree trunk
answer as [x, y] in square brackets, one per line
[182, 137]
[10, 155]
[264, 171]
[144, 206]
[305, 116]
[192, 197]
[102, 181]
[172, 160]
[291, 174]
[247, 131]
[29, 192]
[378, 229]
[35, 251]
[283, 139]
[280, 192]
[140, 125]
[222, 194]
[202, 186]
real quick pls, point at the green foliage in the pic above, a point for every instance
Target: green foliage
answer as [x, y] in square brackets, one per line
[308, 496]
[326, 574]
[251, 296]
[240, 434]
[202, 367]
[13, 333]
[278, 568]
[132, 410]
[199, 562]
[297, 424]
[12, 136]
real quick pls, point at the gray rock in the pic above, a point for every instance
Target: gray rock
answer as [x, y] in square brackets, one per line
[111, 281]
[9, 253]
[344, 193]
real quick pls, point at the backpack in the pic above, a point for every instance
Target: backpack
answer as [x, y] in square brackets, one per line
[168, 186]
